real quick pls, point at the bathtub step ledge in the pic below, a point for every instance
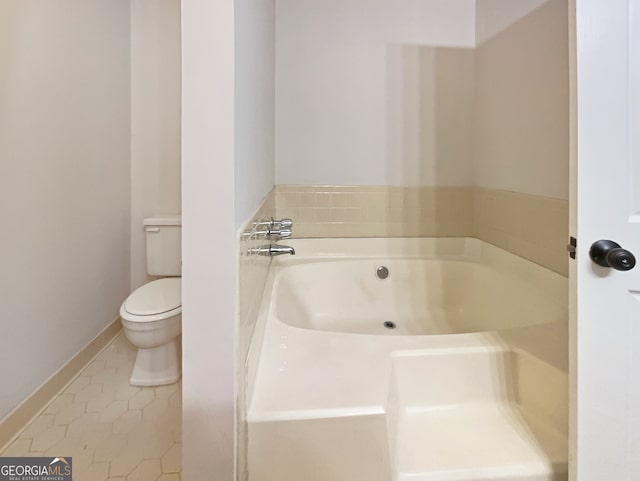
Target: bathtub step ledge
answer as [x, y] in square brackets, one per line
[490, 442]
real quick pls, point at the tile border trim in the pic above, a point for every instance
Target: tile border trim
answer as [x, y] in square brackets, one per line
[537, 232]
[14, 422]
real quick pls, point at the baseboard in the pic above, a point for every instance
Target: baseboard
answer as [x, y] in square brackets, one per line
[16, 420]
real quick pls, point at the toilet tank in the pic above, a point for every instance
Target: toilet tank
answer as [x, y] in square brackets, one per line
[164, 245]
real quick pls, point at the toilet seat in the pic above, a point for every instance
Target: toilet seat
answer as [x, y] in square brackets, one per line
[157, 300]
[144, 323]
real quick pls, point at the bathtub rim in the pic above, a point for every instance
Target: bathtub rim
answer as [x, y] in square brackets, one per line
[469, 249]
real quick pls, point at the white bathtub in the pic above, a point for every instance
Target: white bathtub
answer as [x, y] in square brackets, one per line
[328, 380]
[419, 297]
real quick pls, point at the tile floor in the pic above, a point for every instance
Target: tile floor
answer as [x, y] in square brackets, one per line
[113, 431]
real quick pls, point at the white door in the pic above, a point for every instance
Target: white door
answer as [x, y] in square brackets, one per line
[606, 334]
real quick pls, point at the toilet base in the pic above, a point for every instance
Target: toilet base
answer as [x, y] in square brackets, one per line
[157, 366]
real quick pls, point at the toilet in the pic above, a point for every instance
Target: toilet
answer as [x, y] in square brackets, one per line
[152, 314]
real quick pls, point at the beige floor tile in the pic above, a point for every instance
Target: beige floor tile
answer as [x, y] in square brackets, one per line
[124, 393]
[101, 401]
[172, 420]
[126, 422]
[125, 346]
[156, 410]
[93, 435]
[78, 384]
[20, 447]
[167, 391]
[94, 367]
[169, 477]
[82, 425]
[124, 372]
[158, 445]
[113, 411]
[81, 453]
[119, 359]
[59, 403]
[104, 376]
[175, 400]
[124, 368]
[39, 424]
[177, 432]
[126, 461]
[172, 459]
[141, 433]
[110, 447]
[111, 349]
[112, 430]
[87, 393]
[147, 470]
[70, 413]
[142, 398]
[92, 472]
[48, 438]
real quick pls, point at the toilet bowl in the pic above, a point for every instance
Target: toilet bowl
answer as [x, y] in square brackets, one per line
[152, 320]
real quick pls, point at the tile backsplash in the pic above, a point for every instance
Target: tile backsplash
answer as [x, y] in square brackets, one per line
[533, 227]
[252, 275]
[253, 270]
[376, 211]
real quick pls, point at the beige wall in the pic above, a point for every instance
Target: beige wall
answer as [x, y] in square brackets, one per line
[64, 182]
[155, 120]
[521, 152]
[522, 99]
[494, 16]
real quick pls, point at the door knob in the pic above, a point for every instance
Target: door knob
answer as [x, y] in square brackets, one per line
[607, 253]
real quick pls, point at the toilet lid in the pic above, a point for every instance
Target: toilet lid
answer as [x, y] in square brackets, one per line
[155, 297]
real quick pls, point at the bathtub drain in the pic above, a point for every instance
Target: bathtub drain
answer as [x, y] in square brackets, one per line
[382, 272]
[389, 325]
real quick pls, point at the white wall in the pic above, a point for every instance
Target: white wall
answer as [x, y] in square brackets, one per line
[254, 104]
[522, 99]
[429, 116]
[64, 182]
[209, 270]
[155, 120]
[339, 76]
[423, 93]
[227, 169]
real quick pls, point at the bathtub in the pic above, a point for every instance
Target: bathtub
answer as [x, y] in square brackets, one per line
[346, 362]
[417, 297]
